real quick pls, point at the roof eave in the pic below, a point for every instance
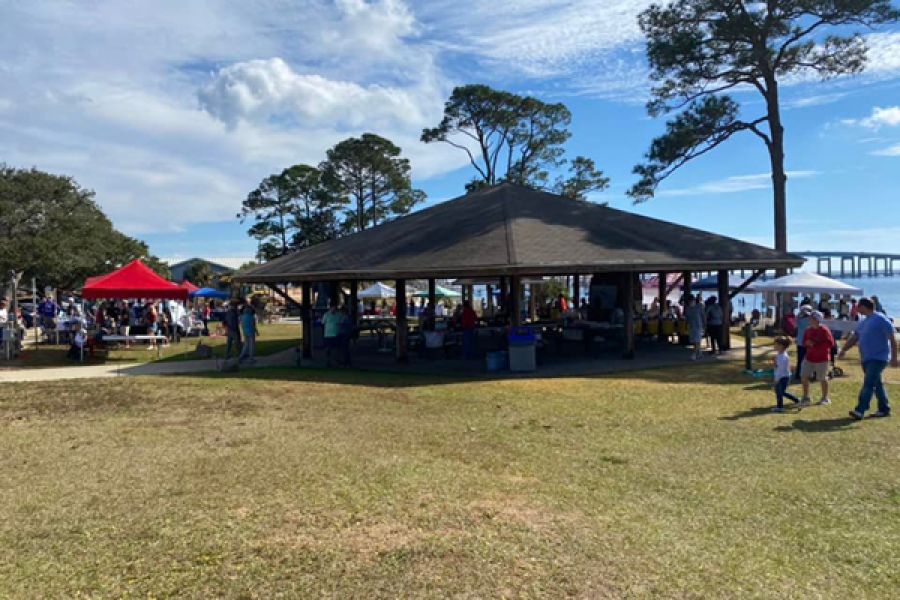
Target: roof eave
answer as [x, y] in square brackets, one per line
[530, 270]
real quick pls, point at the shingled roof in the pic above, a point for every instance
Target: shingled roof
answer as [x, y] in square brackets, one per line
[510, 230]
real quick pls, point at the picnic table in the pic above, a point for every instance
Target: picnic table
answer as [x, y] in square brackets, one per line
[158, 340]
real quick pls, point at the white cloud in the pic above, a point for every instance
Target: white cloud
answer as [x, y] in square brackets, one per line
[733, 184]
[880, 117]
[889, 151]
[263, 89]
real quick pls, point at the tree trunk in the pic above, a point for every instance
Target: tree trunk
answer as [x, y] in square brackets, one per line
[779, 177]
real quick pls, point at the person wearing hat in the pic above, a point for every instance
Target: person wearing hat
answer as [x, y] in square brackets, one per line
[802, 324]
[818, 341]
[877, 349]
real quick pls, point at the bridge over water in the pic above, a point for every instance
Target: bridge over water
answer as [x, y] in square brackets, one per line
[853, 264]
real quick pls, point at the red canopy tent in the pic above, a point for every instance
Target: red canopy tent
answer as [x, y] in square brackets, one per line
[134, 280]
[190, 287]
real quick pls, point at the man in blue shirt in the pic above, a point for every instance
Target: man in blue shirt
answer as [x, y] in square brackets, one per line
[877, 347]
[48, 310]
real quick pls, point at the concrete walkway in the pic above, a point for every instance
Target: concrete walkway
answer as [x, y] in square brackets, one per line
[280, 359]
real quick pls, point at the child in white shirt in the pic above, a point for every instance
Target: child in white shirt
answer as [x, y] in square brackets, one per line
[782, 374]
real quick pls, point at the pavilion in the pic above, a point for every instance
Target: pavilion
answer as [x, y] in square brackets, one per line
[508, 234]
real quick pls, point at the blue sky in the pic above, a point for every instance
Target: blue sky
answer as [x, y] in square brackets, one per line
[173, 110]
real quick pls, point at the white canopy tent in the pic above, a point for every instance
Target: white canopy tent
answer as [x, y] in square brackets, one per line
[378, 290]
[806, 283]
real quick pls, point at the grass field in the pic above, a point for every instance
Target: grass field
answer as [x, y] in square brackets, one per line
[272, 338]
[666, 483]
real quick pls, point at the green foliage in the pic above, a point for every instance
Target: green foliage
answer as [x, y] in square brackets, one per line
[52, 229]
[368, 174]
[583, 178]
[200, 273]
[292, 209]
[700, 49]
[518, 138]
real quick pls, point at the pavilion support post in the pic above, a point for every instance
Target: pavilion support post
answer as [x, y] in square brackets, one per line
[306, 319]
[334, 290]
[489, 290]
[629, 316]
[686, 285]
[725, 303]
[576, 290]
[504, 300]
[401, 335]
[470, 294]
[514, 299]
[354, 302]
[432, 293]
[662, 305]
[532, 304]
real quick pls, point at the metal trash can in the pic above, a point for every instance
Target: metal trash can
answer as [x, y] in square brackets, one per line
[522, 349]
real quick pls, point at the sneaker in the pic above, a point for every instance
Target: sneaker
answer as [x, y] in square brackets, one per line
[882, 415]
[778, 409]
[805, 402]
[824, 402]
[856, 416]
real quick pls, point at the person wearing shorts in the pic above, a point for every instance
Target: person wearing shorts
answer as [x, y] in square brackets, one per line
[818, 341]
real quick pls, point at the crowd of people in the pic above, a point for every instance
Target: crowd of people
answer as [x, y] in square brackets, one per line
[817, 349]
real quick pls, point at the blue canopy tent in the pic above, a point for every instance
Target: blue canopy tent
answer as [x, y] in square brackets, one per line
[209, 293]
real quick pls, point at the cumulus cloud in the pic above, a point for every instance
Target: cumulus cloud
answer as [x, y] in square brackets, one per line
[271, 88]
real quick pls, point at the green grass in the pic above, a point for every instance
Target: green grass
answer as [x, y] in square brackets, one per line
[272, 338]
[665, 483]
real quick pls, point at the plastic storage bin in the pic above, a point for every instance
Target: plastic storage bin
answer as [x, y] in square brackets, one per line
[522, 349]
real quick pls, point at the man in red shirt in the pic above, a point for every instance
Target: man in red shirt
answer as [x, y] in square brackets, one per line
[818, 342]
[468, 322]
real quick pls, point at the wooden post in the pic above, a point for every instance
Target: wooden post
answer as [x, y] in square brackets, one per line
[629, 316]
[306, 318]
[432, 296]
[686, 285]
[725, 303]
[334, 292]
[490, 296]
[400, 339]
[532, 305]
[504, 301]
[514, 299]
[576, 290]
[354, 302]
[662, 305]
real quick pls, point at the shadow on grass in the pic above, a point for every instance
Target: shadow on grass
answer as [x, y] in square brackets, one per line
[820, 426]
[263, 348]
[757, 411]
[390, 374]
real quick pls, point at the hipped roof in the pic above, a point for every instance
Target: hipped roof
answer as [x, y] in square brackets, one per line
[514, 230]
[134, 280]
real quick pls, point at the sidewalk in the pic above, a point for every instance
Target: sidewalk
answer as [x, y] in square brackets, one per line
[284, 358]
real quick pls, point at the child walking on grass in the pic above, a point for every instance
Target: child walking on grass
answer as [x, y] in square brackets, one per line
[782, 374]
